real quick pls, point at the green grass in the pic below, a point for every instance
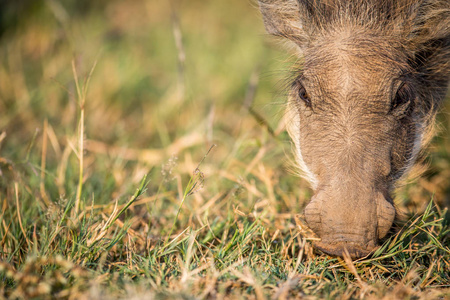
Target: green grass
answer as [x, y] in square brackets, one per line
[110, 186]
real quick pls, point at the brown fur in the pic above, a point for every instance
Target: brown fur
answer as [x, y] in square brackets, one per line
[362, 105]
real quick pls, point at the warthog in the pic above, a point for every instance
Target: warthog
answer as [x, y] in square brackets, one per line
[371, 77]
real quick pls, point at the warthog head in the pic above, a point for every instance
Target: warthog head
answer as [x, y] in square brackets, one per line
[370, 79]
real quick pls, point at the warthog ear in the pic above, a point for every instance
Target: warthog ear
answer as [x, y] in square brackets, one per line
[432, 21]
[282, 18]
[430, 43]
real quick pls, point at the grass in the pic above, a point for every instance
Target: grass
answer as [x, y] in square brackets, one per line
[111, 188]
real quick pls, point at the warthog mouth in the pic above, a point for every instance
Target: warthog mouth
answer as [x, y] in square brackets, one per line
[338, 249]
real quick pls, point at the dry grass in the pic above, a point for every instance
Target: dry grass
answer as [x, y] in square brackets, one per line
[109, 187]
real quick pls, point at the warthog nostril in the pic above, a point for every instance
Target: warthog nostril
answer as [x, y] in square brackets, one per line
[312, 215]
[385, 216]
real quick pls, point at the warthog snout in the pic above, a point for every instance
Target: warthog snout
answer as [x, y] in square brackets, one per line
[352, 222]
[369, 80]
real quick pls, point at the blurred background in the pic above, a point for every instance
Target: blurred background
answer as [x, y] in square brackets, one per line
[169, 80]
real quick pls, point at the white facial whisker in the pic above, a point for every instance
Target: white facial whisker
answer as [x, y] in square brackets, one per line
[293, 128]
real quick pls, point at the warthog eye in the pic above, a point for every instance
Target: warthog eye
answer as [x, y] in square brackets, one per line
[402, 98]
[304, 96]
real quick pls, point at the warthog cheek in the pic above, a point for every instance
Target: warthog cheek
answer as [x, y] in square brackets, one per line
[385, 215]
